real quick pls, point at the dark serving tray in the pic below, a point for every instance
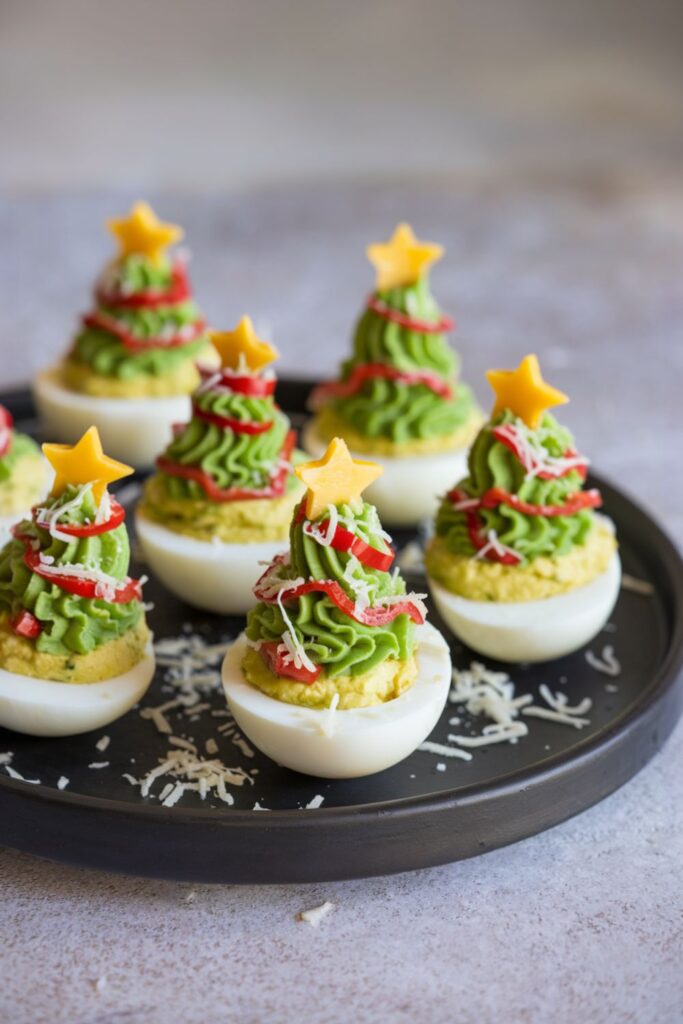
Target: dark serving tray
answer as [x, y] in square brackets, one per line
[411, 816]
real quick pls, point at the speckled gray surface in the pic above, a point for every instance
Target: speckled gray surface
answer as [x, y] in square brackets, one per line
[581, 923]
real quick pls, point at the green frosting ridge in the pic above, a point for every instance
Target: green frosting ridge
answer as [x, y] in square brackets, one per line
[21, 446]
[329, 637]
[231, 459]
[106, 355]
[492, 464]
[71, 624]
[400, 412]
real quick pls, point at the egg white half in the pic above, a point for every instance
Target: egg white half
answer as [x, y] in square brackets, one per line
[410, 487]
[212, 575]
[342, 744]
[531, 630]
[133, 430]
[44, 707]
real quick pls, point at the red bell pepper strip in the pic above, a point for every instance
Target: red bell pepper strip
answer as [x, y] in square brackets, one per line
[349, 543]
[241, 384]
[394, 316]
[101, 321]
[476, 533]
[126, 590]
[178, 291]
[275, 660]
[574, 503]
[6, 424]
[118, 514]
[24, 623]
[367, 371]
[504, 437]
[380, 615]
[230, 423]
[216, 493]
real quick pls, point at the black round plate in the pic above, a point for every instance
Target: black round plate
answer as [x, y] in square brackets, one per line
[410, 816]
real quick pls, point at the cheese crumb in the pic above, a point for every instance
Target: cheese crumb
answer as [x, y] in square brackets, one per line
[316, 914]
[103, 743]
[62, 782]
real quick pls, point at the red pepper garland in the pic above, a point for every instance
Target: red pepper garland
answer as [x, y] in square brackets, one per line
[380, 615]
[349, 543]
[368, 371]
[497, 496]
[215, 493]
[150, 298]
[501, 434]
[103, 322]
[241, 384]
[6, 424]
[230, 423]
[394, 316]
[116, 517]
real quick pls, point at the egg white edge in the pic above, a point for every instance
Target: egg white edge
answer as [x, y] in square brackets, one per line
[46, 384]
[314, 444]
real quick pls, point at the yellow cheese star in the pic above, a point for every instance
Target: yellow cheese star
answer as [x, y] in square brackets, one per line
[335, 478]
[84, 463]
[524, 392]
[403, 259]
[243, 347]
[142, 232]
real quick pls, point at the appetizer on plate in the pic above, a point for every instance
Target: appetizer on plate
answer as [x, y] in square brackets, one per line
[23, 474]
[75, 651]
[221, 500]
[132, 365]
[399, 399]
[521, 567]
[337, 673]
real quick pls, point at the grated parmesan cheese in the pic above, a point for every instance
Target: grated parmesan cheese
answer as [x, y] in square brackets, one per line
[606, 663]
[62, 782]
[316, 914]
[316, 802]
[103, 743]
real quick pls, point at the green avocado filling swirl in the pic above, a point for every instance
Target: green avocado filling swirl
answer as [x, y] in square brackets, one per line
[492, 464]
[232, 459]
[71, 624]
[392, 409]
[106, 354]
[330, 638]
[21, 446]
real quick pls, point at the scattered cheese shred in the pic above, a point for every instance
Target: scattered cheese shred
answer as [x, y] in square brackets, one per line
[103, 743]
[62, 782]
[316, 914]
[606, 662]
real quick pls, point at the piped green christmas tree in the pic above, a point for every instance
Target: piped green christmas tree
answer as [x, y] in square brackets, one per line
[64, 581]
[236, 449]
[524, 499]
[332, 610]
[146, 331]
[400, 391]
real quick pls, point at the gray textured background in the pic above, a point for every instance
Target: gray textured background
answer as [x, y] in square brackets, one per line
[541, 143]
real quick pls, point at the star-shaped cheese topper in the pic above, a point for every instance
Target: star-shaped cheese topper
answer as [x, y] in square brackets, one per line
[524, 392]
[242, 348]
[142, 232]
[403, 259]
[84, 463]
[335, 478]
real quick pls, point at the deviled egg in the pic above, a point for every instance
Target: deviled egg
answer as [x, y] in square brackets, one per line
[24, 474]
[399, 399]
[75, 651]
[133, 363]
[337, 673]
[521, 567]
[221, 500]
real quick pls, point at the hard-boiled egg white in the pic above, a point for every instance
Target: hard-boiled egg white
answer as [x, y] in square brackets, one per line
[531, 630]
[132, 430]
[342, 744]
[212, 575]
[410, 487]
[44, 707]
